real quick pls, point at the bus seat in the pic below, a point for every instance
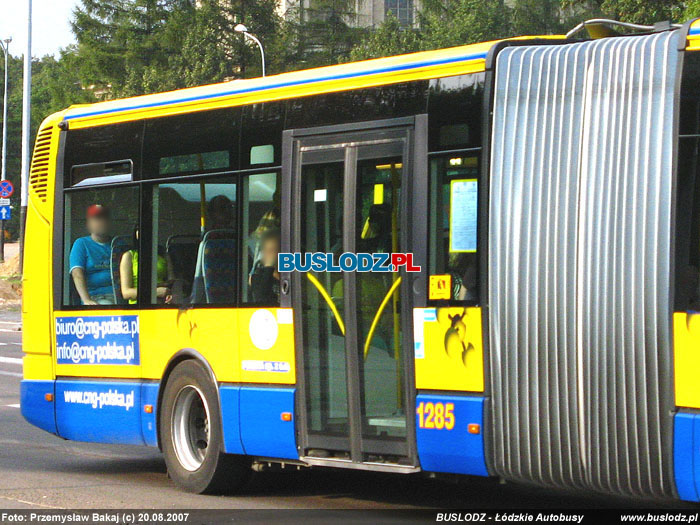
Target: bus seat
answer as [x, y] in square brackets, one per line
[182, 252]
[219, 269]
[120, 245]
[215, 275]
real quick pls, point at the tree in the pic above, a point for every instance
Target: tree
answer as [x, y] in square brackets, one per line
[120, 42]
[323, 33]
[538, 17]
[132, 47]
[388, 39]
[634, 11]
[441, 23]
[457, 22]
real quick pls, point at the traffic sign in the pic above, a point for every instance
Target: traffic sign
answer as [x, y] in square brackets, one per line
[6, 189]
[5, 202]
[5, 213]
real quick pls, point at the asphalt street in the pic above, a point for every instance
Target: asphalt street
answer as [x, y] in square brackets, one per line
[39, 470]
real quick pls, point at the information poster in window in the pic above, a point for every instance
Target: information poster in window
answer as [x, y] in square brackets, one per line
[463, 215]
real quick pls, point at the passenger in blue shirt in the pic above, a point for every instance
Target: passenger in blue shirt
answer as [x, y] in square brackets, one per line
[90, 259]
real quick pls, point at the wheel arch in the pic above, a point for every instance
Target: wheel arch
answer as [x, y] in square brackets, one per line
[185, 354]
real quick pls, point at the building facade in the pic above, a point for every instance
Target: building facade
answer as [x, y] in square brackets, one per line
[364, 13]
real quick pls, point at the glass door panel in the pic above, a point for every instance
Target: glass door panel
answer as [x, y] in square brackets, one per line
[378, 230]
[352, 324]
[322, 301]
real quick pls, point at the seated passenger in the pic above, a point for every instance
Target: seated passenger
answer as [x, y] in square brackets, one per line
[269, 221]
[220, 213]
[90, 259]
[462, 268]
[220, 224]
[128, 274]
[265, 280]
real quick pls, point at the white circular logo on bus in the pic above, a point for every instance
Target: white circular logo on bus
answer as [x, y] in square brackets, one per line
[263, 329]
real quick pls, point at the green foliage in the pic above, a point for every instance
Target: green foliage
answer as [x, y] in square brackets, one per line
[643, 11]
[322, 33]
[389, 39]
[692, 10]
[447, 23]
[538, 17]
[441, 23]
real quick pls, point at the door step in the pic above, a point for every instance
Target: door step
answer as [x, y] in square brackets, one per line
[368, 465]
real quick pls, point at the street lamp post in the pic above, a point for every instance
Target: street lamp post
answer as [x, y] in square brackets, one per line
[240, 28]
[5, 45]
[26, 128]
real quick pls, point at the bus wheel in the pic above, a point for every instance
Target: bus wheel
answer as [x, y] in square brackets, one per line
[192, 437]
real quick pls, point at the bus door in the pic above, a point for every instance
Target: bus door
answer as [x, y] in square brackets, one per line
[352, 193]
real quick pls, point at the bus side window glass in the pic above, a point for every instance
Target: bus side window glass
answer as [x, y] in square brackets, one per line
[453, 225]
[194, 230]
[687, 227]
[261, 239]
[99, 231]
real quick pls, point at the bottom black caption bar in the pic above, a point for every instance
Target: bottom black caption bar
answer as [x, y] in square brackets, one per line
[309, 517]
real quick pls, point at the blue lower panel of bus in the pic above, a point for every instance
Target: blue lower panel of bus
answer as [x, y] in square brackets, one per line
[257, 421]
[230, 397]
[99, 411]
[35, 407]
[149, 423]
[445, 445]
[254, 422]
[686, 454]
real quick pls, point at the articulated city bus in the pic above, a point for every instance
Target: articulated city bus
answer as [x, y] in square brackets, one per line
[547, 190]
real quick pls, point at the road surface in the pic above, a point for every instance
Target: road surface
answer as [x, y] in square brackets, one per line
[38, 470]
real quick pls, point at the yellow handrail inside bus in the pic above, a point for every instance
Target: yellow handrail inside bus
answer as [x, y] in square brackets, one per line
[379, 313]
[202, 199]
[328, 299]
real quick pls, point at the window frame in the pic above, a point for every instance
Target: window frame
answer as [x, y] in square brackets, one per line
[146, 238]
[62, 274]
[145, 195]
[243, 236]
[433, 218]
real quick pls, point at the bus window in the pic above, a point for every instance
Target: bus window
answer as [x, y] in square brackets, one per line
[261, 234]
[687, 296]
[103, 154]
[455, 106]
[453, 224]
[191, 144]
[194, 230]
[261, 144]
[99, 228]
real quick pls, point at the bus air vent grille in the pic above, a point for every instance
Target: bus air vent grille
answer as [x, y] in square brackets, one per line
[39, 173]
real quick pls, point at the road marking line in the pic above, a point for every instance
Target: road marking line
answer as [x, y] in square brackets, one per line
[11, 374]
[17, 331]
[13, 406]
[11, 360]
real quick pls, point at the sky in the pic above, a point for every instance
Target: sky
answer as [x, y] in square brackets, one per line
[51, 28]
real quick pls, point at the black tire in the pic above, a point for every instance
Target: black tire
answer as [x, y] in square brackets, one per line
[192, 437]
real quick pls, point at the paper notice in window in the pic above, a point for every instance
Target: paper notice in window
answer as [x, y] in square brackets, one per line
[463, 215]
